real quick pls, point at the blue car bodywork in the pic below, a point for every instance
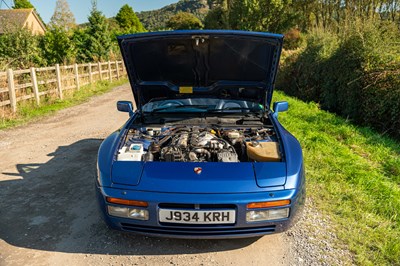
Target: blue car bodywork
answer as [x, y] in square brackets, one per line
[217, 190]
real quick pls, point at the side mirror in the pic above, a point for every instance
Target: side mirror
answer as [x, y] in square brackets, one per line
[125, 106]
[280, 107]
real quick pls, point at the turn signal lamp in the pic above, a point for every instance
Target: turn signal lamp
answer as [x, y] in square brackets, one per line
[127, 202]
[268, 204]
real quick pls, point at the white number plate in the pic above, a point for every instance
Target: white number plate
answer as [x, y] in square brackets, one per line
[197, 217]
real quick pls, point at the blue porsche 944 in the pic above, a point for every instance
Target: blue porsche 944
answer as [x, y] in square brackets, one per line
[203, 155]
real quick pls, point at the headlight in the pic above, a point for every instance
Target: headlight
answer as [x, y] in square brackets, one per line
[138, 214]
[267, 215]
[131, 213]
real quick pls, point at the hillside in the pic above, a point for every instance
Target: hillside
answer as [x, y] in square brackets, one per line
[156, 19]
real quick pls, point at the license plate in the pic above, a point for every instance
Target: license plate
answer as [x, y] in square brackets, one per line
[197, 217]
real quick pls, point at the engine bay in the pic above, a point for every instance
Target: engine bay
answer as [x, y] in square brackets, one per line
[185, 143]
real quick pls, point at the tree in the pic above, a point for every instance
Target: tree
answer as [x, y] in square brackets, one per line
[260, 15]
[331, 14]
[19, 4]
[217, 18]
[184, 21]
[57, 46]
[128, 21]
[62, 18]
[98, 36]
[255, 15]
[80, 40]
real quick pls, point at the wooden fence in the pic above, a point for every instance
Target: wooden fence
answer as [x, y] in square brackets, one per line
[36, 83]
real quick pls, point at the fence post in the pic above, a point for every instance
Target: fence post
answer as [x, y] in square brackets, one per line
[109, 71]
[100, 74]
[90, 73]
[59, 84]
[122, 67]
[11, 90]
[117, 68]
[35, 85]
[76, 71]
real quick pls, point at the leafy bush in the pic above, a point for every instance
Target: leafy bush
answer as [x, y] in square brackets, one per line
[354, 73]
[302, 71]
[19, 49]
[292, 39]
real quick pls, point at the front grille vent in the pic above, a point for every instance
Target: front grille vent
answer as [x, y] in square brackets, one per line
[193, 232]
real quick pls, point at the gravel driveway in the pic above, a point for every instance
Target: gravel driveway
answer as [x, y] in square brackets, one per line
[49, 216]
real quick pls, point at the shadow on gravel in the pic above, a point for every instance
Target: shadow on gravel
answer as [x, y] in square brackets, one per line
[53, 208]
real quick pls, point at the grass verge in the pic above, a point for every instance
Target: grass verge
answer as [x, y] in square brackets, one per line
[27, 111]
[353, 175]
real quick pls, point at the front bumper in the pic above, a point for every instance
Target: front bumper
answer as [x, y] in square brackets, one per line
[240, 229]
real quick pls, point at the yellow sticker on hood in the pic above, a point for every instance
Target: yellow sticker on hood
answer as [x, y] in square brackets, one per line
[185, 89]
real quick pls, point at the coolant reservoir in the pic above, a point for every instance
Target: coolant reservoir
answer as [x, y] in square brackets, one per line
[263, 151]
[133, 152]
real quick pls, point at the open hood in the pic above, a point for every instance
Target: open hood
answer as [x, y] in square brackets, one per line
[229, 64]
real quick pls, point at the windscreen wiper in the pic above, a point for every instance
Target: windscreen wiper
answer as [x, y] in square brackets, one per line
[236, 108]
[172, 107]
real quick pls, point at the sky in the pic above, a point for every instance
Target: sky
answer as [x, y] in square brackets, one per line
[81, 8]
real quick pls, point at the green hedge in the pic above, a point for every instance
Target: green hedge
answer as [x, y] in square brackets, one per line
[355, 73]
